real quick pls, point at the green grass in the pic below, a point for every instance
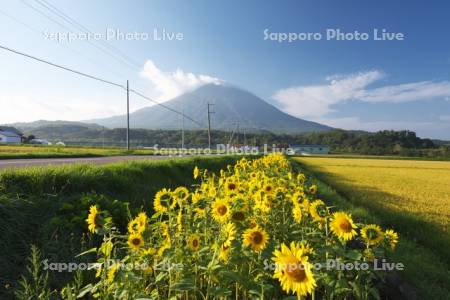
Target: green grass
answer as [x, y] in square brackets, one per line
[425, 269]
[40, 151]
[48, 206]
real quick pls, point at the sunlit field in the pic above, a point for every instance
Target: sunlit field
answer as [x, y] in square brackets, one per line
[411, 196]
[421, 188]
[39, 151]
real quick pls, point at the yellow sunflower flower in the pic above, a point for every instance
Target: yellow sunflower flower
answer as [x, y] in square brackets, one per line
[268, 188]
[133, 226]
[229, 231]
[224, 253]
[164, 201]
[372, 234]
[196, 172]
[255, 238]
[220, 210]
[392, 238]
[112, 273]
[135, 241]
[342, 226]
[181, 194]
[318, 211]
[92, 218]
[297, 213]
[293, 270]
[238, 215]
[313, 189]
[142, 219]
[194, 242]
[231, 186]
[297, 197]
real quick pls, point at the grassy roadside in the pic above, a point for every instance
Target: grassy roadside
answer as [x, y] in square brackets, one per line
[424, 268]
[48, 206]
[39, 151]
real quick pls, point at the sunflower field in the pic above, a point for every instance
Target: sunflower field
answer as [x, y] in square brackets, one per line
[254, 231]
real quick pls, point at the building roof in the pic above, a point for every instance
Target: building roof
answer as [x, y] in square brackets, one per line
[9, 134]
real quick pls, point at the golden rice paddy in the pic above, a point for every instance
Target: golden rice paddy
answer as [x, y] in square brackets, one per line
[421, 188]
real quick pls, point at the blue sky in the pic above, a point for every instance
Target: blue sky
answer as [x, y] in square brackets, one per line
[369, 85]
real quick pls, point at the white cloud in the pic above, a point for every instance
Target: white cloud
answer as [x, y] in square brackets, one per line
[445, 118]
[317, 100]
[172, 84]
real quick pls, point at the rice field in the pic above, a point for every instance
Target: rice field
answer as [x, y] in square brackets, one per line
[411, 196]
[420, 188]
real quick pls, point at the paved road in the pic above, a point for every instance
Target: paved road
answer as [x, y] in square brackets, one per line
[28, 162]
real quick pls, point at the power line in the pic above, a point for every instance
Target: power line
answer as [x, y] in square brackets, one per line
[165, 106]
[52, 8]
[62, 67]
[70, 30]
[98, 79]
[65, 45]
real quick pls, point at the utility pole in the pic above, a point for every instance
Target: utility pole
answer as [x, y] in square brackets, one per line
[182, 129]
[209, 125]
[232, 133]
[128, 116]
[237, 132]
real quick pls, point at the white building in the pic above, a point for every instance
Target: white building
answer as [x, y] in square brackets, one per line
[10, 137]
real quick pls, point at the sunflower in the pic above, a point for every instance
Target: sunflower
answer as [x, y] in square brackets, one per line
[313, 189]
[297, 197]
[196, 172]
[92, 218]
[231, 186]
[342, 226]
[194, 242]
[305, 205]
[293, 270]
[135, 241]
[301, 178]
[297, 213]
[318, 211]
[238, 215]
[255, 238]
[229, 231]
[180, 194]
[164, 201]
[268, 188]
[112, 273]
[200, 213]
[196, 197]
[372, 234]
[142, 219]
[134, 227]
[224, 253]
[392, 238]
[220, 210]
[165, 246]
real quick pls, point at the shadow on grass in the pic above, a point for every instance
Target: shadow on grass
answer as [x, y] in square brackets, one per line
[48, 206]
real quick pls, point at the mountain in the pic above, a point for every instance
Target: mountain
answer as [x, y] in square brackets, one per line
[230, 105]
[44, 123]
